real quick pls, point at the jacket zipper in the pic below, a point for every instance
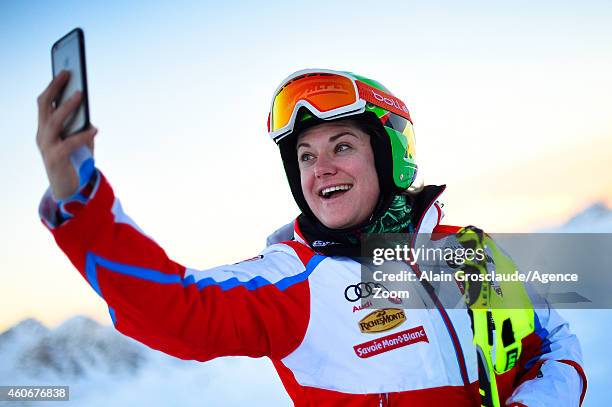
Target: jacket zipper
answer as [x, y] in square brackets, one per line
[449, 326]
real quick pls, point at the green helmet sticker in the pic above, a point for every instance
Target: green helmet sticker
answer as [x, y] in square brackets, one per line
[402, 154]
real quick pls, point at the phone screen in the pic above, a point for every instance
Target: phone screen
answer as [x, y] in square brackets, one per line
[68, 53]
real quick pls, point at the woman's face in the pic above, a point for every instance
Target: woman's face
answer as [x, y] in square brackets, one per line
[338, 174]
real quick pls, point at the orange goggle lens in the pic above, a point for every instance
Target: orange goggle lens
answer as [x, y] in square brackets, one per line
[324, 91]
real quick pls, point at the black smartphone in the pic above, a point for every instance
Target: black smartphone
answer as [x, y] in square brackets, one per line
[68, 53]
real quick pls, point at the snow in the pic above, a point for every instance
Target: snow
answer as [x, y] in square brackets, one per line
[103, 367]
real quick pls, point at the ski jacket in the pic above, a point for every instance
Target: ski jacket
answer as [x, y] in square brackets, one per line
[295, 306]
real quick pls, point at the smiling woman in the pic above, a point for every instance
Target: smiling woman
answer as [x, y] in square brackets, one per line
[348, 150]
[337, 172]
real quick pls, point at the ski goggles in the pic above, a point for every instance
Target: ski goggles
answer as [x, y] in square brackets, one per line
[326, 94]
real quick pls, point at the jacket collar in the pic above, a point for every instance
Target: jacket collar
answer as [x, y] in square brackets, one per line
[426, 215]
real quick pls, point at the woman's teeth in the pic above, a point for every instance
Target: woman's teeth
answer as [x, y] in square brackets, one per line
[327, 192]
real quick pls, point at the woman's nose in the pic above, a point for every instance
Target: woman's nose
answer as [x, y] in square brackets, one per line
[324, 166]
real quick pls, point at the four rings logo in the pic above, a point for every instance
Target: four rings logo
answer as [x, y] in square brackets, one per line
[361, 290]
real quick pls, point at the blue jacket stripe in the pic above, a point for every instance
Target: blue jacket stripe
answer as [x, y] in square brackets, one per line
[91, 272]
[545, 347]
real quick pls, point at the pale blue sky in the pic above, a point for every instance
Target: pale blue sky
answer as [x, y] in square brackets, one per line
[180, 93]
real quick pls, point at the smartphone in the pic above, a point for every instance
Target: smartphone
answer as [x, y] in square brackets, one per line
[68, 53]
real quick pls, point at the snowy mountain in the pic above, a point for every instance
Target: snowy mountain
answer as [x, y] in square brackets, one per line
[103, 367]
[77, 349]
[596, 218]
[588, 325]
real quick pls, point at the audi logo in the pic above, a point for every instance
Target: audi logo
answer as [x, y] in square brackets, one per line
[361, 290]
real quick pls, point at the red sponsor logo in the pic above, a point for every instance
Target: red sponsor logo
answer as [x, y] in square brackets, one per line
[383, 99]
[390, 342]
[356, 308]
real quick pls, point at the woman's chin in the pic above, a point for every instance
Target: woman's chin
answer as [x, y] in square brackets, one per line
[337, 222]
[334, 225]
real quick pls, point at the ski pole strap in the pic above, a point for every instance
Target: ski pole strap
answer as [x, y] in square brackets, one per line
[500, 310]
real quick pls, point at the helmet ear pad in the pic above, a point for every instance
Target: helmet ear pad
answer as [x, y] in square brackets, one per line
[381, 146]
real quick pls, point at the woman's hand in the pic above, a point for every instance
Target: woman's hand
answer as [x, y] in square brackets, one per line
[55, 152]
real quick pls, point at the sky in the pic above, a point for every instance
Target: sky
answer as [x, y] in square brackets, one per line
[509, 100]
[509, 105]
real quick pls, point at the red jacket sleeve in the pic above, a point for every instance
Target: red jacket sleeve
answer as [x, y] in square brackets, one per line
[254, 308]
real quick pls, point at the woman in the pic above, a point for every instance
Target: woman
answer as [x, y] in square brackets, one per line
[348, 151]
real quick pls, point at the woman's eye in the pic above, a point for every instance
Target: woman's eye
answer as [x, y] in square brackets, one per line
[342, 147]
[306, 157]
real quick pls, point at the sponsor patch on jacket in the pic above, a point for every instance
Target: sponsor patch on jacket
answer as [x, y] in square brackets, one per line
[391, 342]
[382, 320]
[362, 290]
[366, 305]
[323, 243]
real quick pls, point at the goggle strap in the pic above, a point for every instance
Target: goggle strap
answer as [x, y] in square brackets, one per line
[382, 99]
